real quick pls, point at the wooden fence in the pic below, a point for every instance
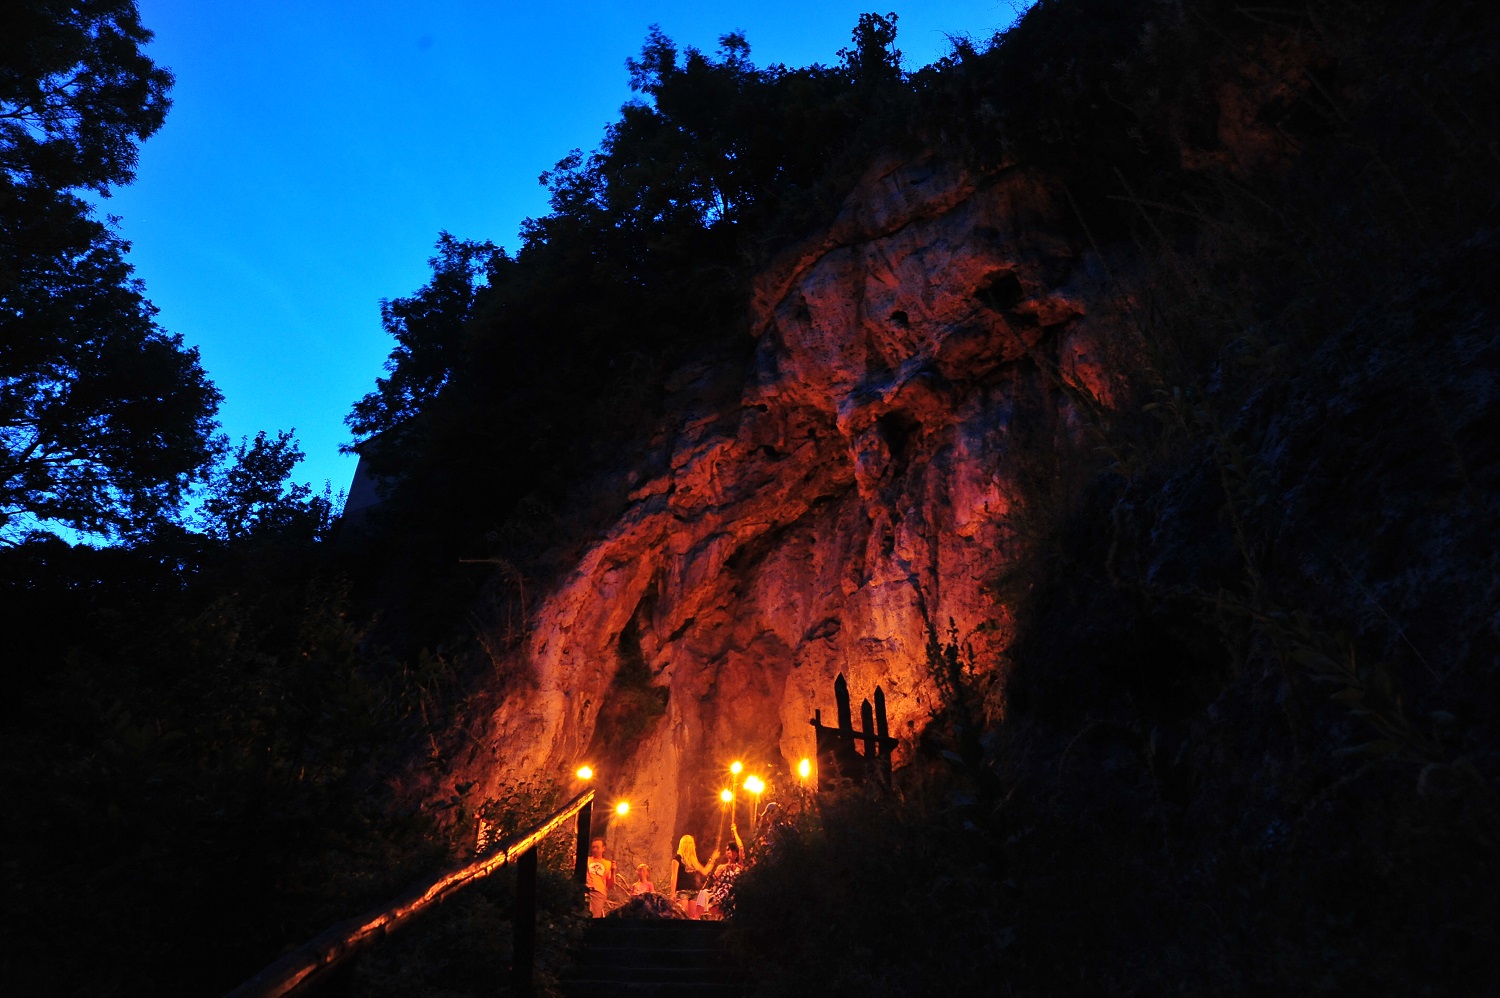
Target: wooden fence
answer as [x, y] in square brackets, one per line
[839, 759]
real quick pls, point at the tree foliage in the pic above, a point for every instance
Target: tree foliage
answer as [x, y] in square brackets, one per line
[105, 418]
[252, 495]
[428, 328]
[874, 61]
[77, 94]
[189, 760]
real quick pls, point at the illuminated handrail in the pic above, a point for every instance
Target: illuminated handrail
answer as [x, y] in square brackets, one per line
[311, 964]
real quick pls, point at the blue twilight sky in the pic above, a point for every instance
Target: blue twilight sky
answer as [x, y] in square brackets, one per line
[315, 149]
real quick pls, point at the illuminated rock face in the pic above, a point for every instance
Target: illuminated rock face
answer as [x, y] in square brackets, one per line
[860, 496]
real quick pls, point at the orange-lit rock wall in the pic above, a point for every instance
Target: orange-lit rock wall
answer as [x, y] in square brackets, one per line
[859, 496]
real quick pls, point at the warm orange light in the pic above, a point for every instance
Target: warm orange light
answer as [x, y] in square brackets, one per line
[585, 772]
[804, 768]
[622, 808]
[755, 784]
[726, 795]
[736, 766]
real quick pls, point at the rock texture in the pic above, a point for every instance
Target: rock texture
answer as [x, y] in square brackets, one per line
[853, 503]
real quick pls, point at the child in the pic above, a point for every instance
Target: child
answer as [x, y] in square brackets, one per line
[643, 884]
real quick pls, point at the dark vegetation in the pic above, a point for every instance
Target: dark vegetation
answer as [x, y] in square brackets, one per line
[1244, 743]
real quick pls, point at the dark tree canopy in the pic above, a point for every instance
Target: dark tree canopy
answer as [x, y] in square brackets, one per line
[874, 61]
[77, 95]
[427, 328]
[104, 417]
[252, 496]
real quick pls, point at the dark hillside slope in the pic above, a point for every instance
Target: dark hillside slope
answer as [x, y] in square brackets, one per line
[1245, 738]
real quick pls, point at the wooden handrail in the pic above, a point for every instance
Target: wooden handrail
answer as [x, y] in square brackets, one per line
[311, 962]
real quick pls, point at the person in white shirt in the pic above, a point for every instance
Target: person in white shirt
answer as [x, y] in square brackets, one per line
[599, 879]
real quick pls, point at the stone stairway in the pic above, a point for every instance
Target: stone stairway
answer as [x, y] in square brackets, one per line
[645, 958]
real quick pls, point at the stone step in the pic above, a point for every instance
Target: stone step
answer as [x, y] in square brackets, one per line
[621, 989]
[658, 924]
[664, 932]
[661, 975]
[652, 956]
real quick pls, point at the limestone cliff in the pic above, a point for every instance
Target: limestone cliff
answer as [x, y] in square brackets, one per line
[856, 500]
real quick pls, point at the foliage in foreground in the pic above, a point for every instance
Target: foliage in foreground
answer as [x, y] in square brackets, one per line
[187, 760]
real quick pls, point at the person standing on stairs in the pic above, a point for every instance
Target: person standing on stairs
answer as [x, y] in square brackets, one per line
[599, 879]
[689, 876]
[720, 903]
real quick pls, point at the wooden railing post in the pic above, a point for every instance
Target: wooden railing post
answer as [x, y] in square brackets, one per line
[321, 960]
[585, 827]
[523, 921]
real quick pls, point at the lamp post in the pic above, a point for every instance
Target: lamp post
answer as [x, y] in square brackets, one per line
[621, 809]
[804, 773]
[756, 786]
[726, 802]
[585, 773]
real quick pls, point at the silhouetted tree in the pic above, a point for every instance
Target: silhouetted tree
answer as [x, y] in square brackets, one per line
[104, 417]
[252, 495]
[873, 61]
[427, 327]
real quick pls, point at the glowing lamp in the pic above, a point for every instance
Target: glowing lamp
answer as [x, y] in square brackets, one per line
[622, 808]
[726, 795]
[585, 772]
[804, 768]
[755, 784]
[736, 767]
